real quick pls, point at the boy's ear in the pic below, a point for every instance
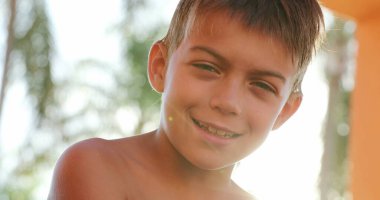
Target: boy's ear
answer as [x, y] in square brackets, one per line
[290, 107]
[157, 66]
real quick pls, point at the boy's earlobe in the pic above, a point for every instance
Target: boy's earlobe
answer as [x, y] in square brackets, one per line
[290, 107]
[157, 66]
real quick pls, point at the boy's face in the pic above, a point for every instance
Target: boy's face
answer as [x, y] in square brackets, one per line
[223, 89]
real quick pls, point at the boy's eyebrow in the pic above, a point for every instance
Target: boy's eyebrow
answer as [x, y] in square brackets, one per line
[211, 52]
[269, 73]
[225, 61]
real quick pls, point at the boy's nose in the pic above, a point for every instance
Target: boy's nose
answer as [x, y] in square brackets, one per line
[226, 99]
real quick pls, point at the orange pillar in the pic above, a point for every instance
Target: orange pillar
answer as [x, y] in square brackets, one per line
[365, 106]
[365, 138]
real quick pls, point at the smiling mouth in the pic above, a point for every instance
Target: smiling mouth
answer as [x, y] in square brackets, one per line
[215, 131]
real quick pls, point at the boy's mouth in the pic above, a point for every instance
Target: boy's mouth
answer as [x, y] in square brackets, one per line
[215, 131]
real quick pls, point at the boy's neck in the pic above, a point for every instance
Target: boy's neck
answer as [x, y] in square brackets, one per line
[171, 160]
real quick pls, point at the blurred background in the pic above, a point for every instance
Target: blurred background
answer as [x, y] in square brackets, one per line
[76, 69]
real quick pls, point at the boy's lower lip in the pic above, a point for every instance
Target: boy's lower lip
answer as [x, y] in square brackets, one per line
[215, 135]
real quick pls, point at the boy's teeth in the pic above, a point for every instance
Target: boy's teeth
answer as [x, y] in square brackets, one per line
[215, 131]
[212, 130]
[220, 132]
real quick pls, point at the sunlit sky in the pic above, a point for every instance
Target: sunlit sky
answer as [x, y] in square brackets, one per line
[286, 166]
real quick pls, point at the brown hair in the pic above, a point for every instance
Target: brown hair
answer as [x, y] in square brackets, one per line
[298, 24]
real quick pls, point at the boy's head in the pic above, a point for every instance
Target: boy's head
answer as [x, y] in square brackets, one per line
[229, 72]
[297, 24]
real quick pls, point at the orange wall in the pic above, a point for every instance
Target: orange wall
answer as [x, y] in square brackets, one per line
[365, 107]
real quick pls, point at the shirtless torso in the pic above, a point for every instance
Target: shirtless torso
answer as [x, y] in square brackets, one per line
[136, 168]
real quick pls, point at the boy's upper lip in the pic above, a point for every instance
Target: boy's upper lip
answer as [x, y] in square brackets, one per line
[219, 127]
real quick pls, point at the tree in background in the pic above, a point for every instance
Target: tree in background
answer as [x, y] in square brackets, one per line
[28, 60]
[339, 57]
[29, 48]
[8, 51]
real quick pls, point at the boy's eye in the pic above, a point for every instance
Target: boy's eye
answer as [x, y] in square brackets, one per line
[265, 86]
[206, 67]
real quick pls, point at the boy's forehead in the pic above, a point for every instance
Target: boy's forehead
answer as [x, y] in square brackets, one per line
[207, 22]
[212, 22]
[217, 22]
[231, 39]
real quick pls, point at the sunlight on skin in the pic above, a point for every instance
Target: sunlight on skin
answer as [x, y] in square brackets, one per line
[170, 119]
[287, 165]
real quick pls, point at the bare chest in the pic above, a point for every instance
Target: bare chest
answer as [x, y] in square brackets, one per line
[148, 186]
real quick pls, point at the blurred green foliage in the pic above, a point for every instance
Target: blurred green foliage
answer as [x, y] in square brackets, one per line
[33, 50]
[30, 54]
[56, 125]
[339, 58]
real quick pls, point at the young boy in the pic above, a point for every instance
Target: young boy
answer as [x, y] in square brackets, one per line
[229, 71]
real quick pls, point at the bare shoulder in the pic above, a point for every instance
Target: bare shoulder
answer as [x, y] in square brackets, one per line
[87, 170]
